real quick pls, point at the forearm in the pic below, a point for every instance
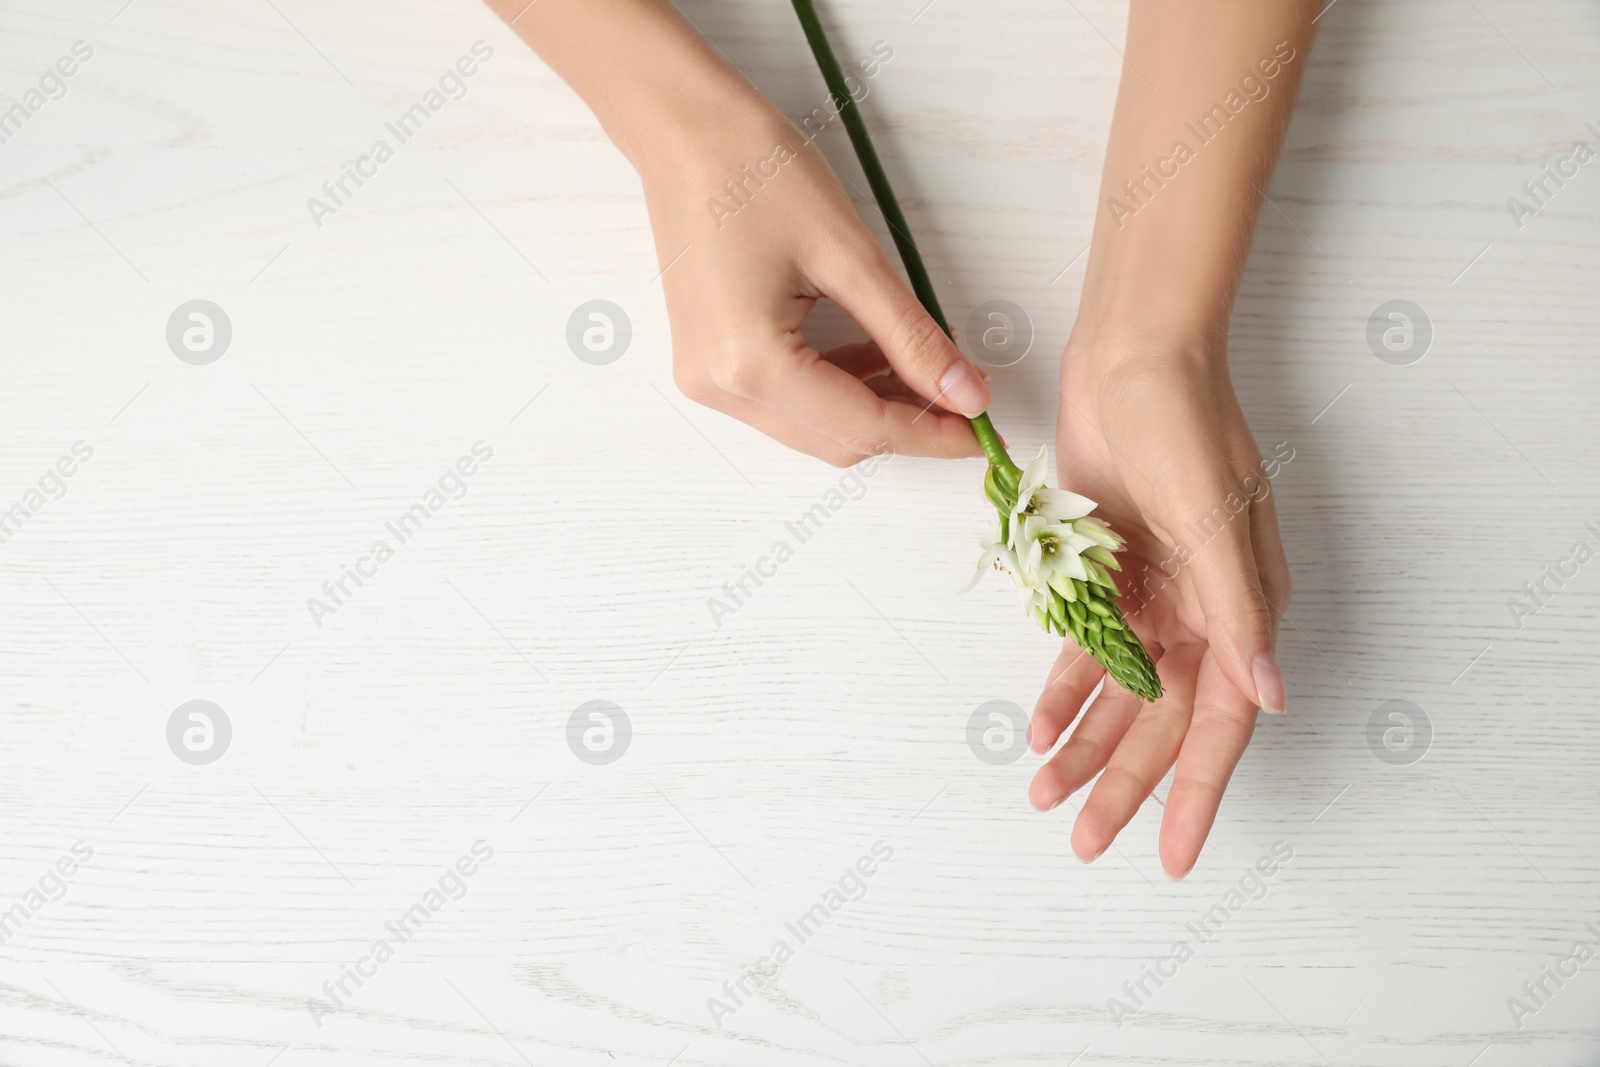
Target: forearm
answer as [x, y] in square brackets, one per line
[648, 76]
[1188, 164]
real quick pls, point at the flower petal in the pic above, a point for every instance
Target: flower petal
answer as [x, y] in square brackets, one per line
[1062, 584]
[1070, 563]
[1069, 537]
[989, 558]
[1035, 476]
[1059, 504]
[1098, 530]
[1034, 527]
[1030, 554]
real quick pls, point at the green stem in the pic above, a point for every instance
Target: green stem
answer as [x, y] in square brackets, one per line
[916, 270]
[989, 438]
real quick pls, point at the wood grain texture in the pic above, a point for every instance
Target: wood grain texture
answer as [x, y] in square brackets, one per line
[829, 712]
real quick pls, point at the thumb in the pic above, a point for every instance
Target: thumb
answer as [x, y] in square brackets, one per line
[919, 351]
[1239, 625]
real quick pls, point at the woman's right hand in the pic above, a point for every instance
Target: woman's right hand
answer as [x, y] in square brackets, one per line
[740, 279]
[752, 227]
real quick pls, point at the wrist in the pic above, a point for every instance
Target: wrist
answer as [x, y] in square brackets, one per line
[658, 88]
[705, 137]
[1108, 337]
[1139, 291]
[1163, 284]
[683, 109]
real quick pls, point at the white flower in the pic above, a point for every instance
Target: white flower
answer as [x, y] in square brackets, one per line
[996, 554]
[1047, 541]
[1034, 497]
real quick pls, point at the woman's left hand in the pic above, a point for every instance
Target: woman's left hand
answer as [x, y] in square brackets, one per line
[1152, 432]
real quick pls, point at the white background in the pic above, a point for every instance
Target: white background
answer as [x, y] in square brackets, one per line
[828, 712]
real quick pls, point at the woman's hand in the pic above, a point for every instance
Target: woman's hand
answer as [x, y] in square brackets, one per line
[1152, 431]
[1150, 428]
[752, 228]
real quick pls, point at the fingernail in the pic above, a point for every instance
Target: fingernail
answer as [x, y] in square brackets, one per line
[1028, 737]
[1097, 855]
[1270, 690]
[963, 388]
[1177, 877]
[1056, 803]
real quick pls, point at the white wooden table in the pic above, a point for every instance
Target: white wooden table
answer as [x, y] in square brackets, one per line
[209, 903]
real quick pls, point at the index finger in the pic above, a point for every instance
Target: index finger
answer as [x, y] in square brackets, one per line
[1219, 730]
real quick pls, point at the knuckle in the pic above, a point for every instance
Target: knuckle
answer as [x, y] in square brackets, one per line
[1087, 754]
[731, 378]
[840, 458]
[1056, 777]
[694, 385]
[1204, 788]
[734, 371]
[1250, 617]
[864, 443]
[920, 339]
[1122, 782]
[870, 436]
[853, 255]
